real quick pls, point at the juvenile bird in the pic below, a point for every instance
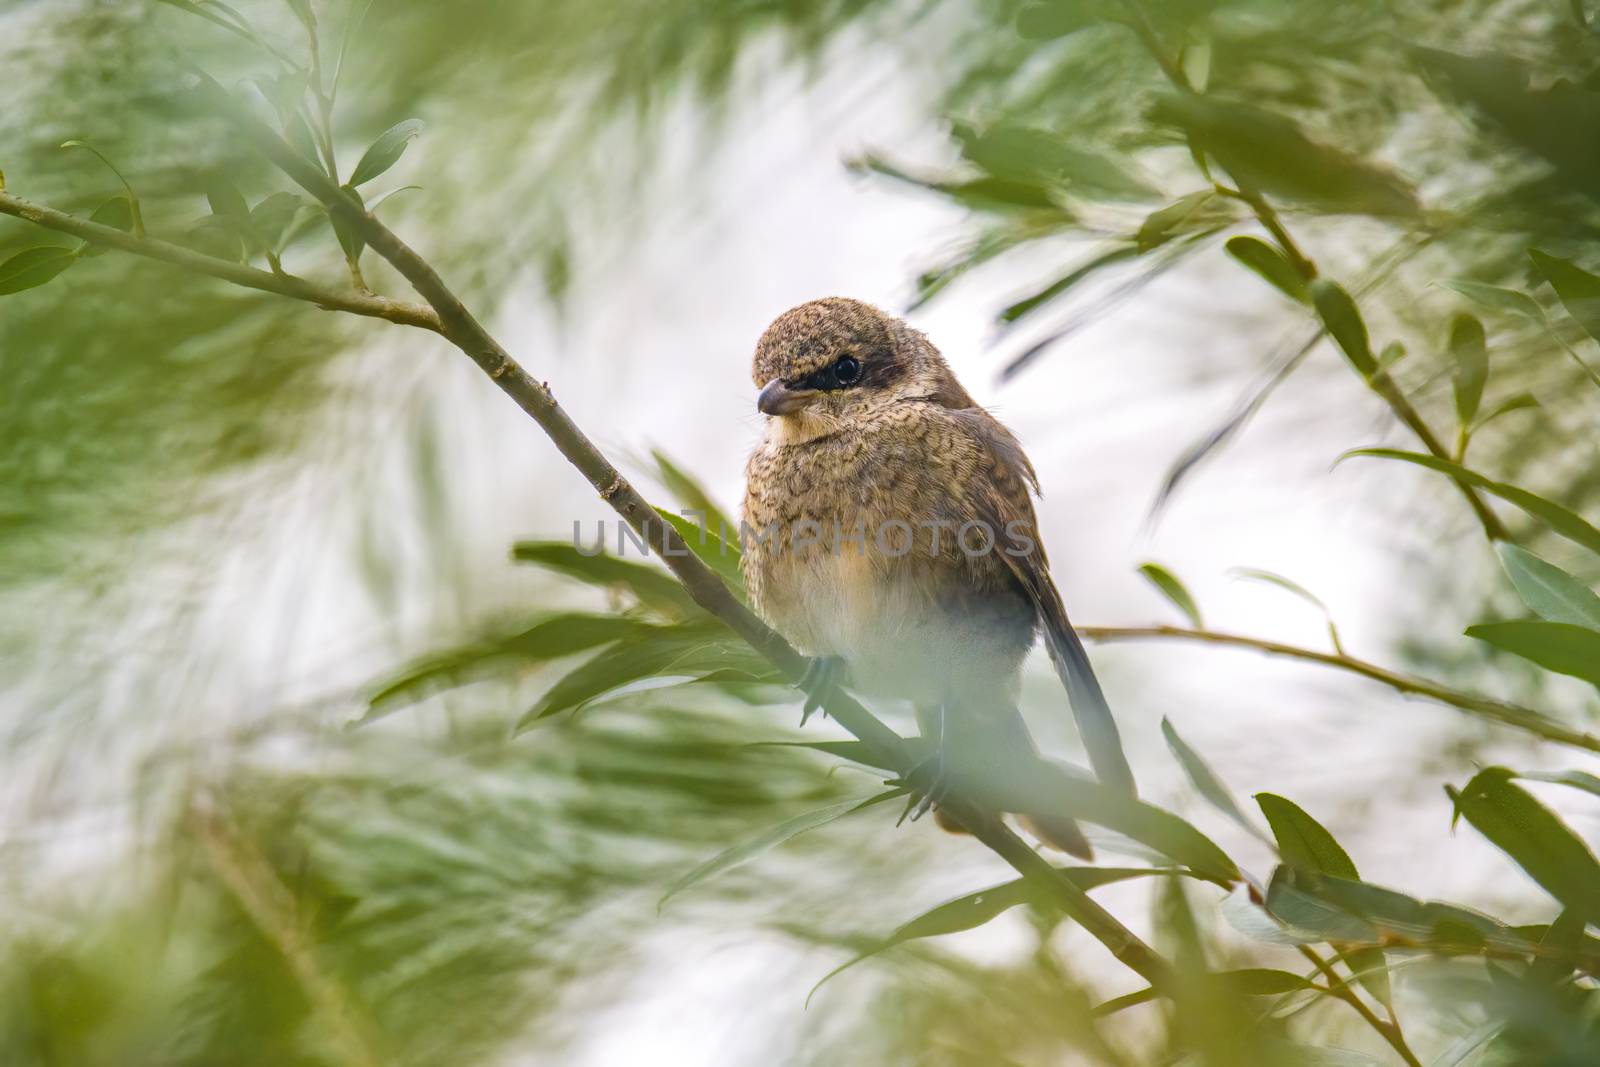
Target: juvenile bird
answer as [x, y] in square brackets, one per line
[891, 536]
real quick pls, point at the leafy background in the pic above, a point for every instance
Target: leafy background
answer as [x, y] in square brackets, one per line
[229, 521]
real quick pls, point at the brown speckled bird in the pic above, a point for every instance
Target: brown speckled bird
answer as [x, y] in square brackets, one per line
[891, 536]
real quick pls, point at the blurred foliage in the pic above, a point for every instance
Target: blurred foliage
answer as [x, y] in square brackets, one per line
[1404, 176]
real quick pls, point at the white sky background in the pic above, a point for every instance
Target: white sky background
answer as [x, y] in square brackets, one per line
[655, 352]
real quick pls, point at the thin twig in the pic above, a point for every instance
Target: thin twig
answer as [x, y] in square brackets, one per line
[357, 303]
[1505, 714]
[1389, 1031]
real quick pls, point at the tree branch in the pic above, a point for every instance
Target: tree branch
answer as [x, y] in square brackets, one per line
[357, 303]
[447, 315]
[1505, 714]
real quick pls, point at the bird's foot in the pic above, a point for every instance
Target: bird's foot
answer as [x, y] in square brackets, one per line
[818, 682]
[925, 784]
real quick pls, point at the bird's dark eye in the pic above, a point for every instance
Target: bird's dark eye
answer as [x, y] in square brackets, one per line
[846, 370]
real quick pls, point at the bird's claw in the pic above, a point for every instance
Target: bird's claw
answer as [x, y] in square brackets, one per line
[926, 785]
[818, 682]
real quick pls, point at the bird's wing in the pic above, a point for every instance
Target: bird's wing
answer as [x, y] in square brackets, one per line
[999, 495]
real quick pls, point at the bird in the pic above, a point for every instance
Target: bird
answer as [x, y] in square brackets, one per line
[889, 534]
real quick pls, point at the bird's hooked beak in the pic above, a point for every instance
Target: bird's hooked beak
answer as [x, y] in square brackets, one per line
[779, 398]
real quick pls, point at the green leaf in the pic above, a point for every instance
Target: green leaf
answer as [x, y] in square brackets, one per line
[386, 150]
[1578, 290]
[116, 213]
[1272, 265]
[651, 586]
[33, 267]
[1205, 780]
[1471, 354]
[1048, 789]
[1035, 156]
[551, 638]
[383, 198]
[350, 241]
[854, 751]
[1532, 835]
[1562, 520]
[1272, 153]
[1507, 406]
[749, 850]
[1550, 592]
[1048, 21]
[1191, 213]
[225, 199]
[1302, 841]
[1344, 324]
[273, 219]
[1495, 298]
[1347, 911]
[1029, 304]
[1462, 1049]
[691, 494]
[1168, 585]
[302, 11]
[1555, 646]
[975, 909]
[709, 548]
[1576, 779]
[1254, 574]
[663, 656]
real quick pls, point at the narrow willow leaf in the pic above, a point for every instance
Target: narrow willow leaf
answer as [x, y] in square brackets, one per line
[1303, 842]
[1048, 21]
[1576, 779]
[1533, 836]
[1288, 585]
[1578, 290]
[1272, 265]
[651, 586]
[1205, 780]
[691, 494]
[1029, 304]
[552, 638]
[1550, 592]
[1249, 982]
[708, 547]
[386, 150]
[225, 199]
[116, 213]
[1033, 156]
[1471, 354]
[1049, 790]
[1306, 844]
[786, 831]
[1250, 918]
[1519, 402]
[1462, 1049]
[1352, 912]
[1190, 213]
[1555, 646]
[33, 267]
[383, 198]
[1170, 587]
[1495, 298]
[274, 218]
[1344, 324]
[854, 751]
[668, 653]
[1562, 520]
[350, 241]
[302, 11]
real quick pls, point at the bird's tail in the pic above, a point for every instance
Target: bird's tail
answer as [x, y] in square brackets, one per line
[1096, 725]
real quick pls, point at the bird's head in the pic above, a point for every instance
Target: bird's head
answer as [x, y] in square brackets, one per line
[829, 363]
